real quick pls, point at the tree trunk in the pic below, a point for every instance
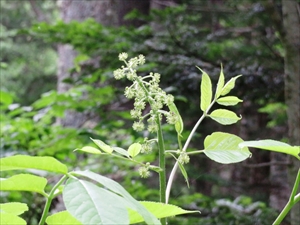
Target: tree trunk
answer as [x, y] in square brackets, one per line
[291, 23]
[106, 12]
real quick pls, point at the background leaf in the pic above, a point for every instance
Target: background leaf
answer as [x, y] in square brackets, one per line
[224, 148]
[20, 162]
[24, 182]
[104, 147]
[273, 145]
[89, 149]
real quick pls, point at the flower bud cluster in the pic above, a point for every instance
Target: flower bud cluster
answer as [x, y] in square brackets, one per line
[183, 158]
[144, 171]
[144, 90]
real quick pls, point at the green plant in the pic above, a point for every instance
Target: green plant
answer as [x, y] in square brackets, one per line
[102, 199]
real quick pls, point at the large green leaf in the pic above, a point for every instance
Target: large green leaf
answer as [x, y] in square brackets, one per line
[24, 182]
[16, 208]
[117, 188]
[224, 148]
[160, 210]
[206, 91]
[273, 145]
[11, 219]
[91, 204]
[62, 218]
[224, 116]
[21, 162]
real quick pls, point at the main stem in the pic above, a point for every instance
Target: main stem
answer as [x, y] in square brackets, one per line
[162, 165]
[49, 200]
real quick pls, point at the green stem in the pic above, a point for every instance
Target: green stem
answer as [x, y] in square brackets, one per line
[49, 200]
[292, 201]
[162, 165]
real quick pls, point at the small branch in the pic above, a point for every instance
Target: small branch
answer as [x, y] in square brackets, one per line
[267, 164]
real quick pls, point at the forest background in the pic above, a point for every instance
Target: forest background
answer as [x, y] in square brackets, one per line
[58, 90]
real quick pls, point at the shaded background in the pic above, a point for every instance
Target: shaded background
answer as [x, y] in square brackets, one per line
[57, 90]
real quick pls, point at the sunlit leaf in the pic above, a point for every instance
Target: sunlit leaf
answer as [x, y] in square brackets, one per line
[220, 84]
[224, 148]
[16, 208]
[104, 147]
[273, 145]
[62, 218]
[121, 151]
[11, 219]
[21, 162]
[160, 210]
[89, 149]
[224, 116]
[206, 91]
[5, 98]
[24, 182]
[229, 85]
[134, 149]
[229, 100]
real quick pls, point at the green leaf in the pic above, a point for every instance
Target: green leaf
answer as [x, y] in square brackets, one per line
[89, 149]
[229, 100]
[47, 99]
[62, 218]
[224, 116]
[121, 151]
[104, 147]
[117, 188]
[273, 145]
[15, 208]
[220, 84]
[21, 162]
[184, 173]
[24, 182]
[11, 219]
[179, 123]
[6, 98]
[206, 91]
[224, 148]
[229, 85]
[160, 210]
[134, 149]
[91, 204]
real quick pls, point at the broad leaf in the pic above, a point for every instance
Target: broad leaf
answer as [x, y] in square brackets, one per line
[104, 147]
[24, 182]
[224, 148]
[89, 149]
[62, 218]
[91, 204]
[117, 188]
[229, 85]
[11, 219]
[224, 116]
[134, 149]
[16, 208]
[229, 100]
[160, 210]
[273, 145]
[179, 123]
[220, 84]
[21, 162]
[206, 91]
